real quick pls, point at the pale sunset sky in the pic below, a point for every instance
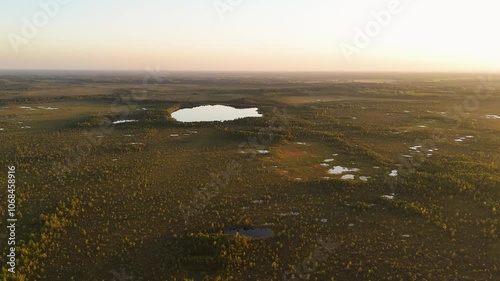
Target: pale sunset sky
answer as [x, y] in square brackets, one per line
[251, 35]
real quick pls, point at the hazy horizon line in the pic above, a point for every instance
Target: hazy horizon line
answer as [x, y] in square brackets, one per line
[256, 71]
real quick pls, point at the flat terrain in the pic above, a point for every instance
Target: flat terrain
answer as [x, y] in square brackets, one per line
[151, 200]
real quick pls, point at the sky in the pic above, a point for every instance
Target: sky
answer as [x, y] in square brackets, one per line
[251, 35]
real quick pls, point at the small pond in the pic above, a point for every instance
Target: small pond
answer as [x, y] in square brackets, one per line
[337, 170]
[251, 232]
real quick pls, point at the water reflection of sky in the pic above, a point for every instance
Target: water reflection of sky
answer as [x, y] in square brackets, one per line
[251, 232]
[209, 113]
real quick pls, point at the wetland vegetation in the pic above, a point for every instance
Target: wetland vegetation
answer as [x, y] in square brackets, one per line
[342, 177]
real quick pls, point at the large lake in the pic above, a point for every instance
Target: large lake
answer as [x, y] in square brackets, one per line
[208, 113]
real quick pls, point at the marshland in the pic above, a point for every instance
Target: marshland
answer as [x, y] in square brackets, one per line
[400, 172]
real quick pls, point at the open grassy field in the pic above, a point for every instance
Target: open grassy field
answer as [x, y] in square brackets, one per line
[152, 199]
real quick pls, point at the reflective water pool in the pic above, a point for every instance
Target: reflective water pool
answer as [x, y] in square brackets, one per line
[251, 232]
[209, 113]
